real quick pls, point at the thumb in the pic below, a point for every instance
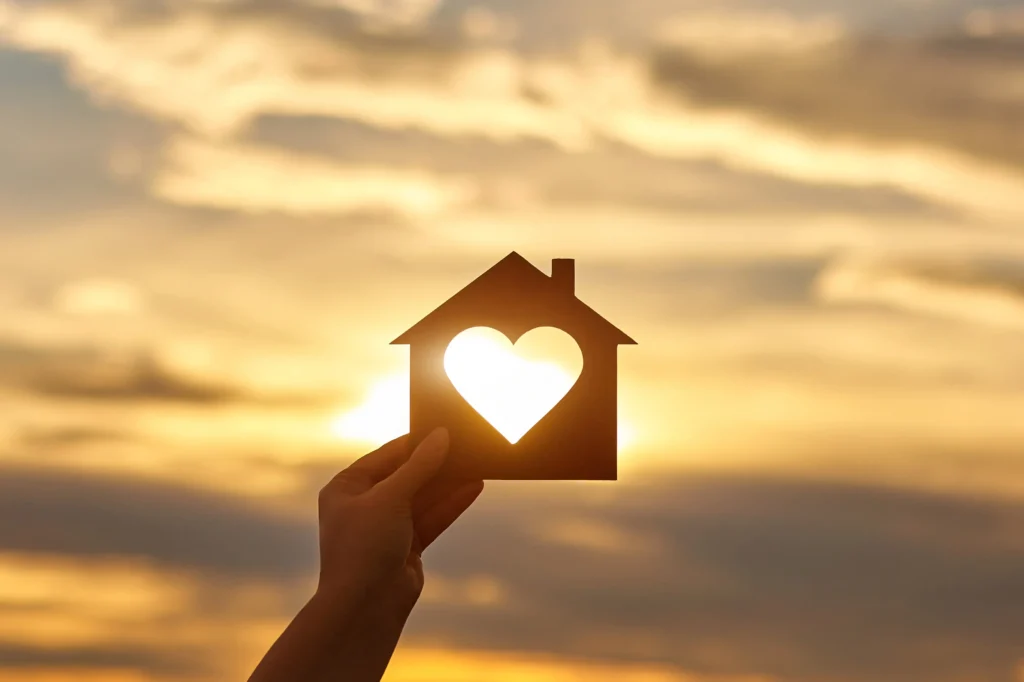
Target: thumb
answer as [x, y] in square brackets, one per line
[424, 462]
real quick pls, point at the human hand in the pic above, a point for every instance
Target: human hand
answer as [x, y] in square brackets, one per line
[376, 518]
[380, 514]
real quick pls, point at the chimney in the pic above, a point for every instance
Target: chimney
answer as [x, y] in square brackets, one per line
[563, 274]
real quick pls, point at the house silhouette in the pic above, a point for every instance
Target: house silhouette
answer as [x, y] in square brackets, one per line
[577, 439]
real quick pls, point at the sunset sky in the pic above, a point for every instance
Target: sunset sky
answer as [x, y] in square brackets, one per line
[215, 215]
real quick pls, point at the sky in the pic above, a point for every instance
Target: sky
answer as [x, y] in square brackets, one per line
[215, 215]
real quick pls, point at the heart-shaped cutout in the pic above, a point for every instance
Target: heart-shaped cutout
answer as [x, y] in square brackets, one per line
[513, 386]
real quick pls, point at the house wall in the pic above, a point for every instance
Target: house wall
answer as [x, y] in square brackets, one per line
[576, 440]
[426, 378]
[579, 436]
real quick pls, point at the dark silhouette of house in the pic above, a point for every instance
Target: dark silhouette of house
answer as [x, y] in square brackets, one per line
[577, 439]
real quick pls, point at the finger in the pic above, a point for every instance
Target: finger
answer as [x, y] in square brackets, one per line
[424, 462]
[427, 503]
[374, 467]
[436, 520]
[439, 489]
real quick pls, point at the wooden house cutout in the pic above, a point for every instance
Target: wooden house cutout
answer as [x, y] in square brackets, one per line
[578, 438]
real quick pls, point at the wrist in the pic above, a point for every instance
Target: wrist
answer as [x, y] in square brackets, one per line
[358, 635]
[334, 607]
[307, 649]
[367, 606]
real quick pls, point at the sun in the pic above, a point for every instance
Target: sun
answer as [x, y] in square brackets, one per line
[382, 416]
[512, 387]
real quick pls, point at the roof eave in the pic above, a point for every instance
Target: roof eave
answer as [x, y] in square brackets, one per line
[403, 340]
[620, 337]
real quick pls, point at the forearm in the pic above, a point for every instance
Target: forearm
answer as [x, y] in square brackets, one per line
[367, 646]
[337, 636]
[373, 527]
[308, 646]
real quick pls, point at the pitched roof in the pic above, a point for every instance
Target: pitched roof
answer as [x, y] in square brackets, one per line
[516, 272]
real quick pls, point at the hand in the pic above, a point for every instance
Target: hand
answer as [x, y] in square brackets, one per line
[376, 518]
[380, 514]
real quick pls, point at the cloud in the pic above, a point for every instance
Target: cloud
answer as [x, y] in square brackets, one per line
[595, 535]
[385, 13]
[993, 21]
[787, 579]
[743, 139]
[215, 72]
[252, 179]
[477, 591]
[256, 61]
[99, 375]
[941, 93]
[718, 34]
[99, 297]
[103, 618]
[990, 294]
[95, 515]
[530, 174]
[25, 660]
[50, 439]
[795, 581]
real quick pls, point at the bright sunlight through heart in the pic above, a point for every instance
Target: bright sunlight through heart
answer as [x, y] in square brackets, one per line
[513, 387]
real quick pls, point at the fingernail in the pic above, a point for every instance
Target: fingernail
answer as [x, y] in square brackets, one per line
[436, 441]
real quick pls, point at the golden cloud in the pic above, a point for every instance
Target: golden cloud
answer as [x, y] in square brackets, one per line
[252, 179]
[64, 604]
[217, 72]
[721, 34]
[949, 291]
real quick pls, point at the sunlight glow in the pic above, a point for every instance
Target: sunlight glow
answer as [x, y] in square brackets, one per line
[413, 664]
[382, 416]
[626, 434]
[513, 387]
